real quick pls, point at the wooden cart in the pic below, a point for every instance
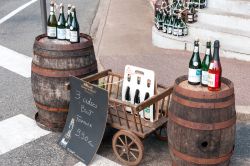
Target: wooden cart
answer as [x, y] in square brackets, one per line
[126, 143]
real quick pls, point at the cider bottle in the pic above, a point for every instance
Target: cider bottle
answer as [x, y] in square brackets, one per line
[215, 70]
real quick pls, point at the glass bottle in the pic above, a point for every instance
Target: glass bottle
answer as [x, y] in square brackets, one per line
[74, 28]
[215, 70]
[194, 72]
[205, 64]
[68, 23]
[61, 28]
[52, 22]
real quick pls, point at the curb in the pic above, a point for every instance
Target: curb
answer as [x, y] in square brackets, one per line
[97, 28]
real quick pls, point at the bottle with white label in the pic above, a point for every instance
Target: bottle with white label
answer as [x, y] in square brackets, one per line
[61, 28]
[194, 72]
[171, 23]
[52, 23]
[205, 64]
[68, 23]
[176, 26]
[74, 28]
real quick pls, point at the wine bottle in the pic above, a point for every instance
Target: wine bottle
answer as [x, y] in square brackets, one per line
[61, 28]
[165, 22]
[180, 26]
[205, 64]
[127, 94]
[171, 23]
[215, 70]
[191, 12]
[74, 28]
[68, 22]
[194, 72]
[147, 109]
[176, 27]
[185, 29]
[137, 97]
[52, 22]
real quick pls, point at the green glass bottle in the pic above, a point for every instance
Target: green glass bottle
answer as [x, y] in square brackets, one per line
[176, 26]
[61, 28]
[52, 23]
[194, 72]
[170, 23]
[74, 28]
[68, 22]
[166, 22]
[180, 26]
[205, 64]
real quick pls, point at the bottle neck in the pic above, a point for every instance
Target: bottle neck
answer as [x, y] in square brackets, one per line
[52, 11]
[196, 48]
[216, 54]
[61, 10]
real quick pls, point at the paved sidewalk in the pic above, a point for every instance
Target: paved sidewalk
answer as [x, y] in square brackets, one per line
[124, 35]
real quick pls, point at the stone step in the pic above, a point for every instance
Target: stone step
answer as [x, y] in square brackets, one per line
[233, 45]
[224, 19]
[233, 6]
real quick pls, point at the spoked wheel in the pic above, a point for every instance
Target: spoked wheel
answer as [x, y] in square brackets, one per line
[127, 147]
[161, 133]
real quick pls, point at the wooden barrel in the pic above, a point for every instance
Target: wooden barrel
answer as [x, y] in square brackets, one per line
[53, 62]
[201, 127]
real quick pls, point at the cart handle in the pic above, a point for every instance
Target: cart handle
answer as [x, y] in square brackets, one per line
[154, 99]
[96, 76]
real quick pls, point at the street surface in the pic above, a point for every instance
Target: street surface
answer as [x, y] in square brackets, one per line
[21, 141]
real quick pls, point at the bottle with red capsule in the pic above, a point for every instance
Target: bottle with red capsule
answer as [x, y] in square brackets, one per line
[215, 70]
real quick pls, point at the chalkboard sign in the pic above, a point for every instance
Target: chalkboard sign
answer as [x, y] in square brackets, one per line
[86, 120]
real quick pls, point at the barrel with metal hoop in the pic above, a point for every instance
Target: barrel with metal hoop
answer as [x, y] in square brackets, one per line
[53, 62]
[201, 127]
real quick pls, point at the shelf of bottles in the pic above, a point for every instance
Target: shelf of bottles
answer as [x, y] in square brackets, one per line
[63, 29]
[172, 17]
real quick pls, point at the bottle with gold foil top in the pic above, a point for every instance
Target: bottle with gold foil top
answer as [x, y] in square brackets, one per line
[61, 28]
[74, 28]
[205, 64]
[68, 22]
[52, 22]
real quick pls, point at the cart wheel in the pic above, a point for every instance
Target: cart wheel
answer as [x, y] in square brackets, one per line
[161, 133]
[127, 147]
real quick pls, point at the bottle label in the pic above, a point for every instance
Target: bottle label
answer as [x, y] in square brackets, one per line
[164, 29]
[213, 80]
[73, 36]
[169, 30]
[194, 75]
[196, 49]
[208, 51]
[175, 31]
[185, 31]
[180, 32]
[67, 34]
[204, 77]
[61, 33]
[51, 31]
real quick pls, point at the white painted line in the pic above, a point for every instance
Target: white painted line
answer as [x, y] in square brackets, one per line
[16, 11]
[17, 131]
[99, 161]
[15, 62]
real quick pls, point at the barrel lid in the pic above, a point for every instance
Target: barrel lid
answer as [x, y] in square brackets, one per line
[53, 44]
[197, 91]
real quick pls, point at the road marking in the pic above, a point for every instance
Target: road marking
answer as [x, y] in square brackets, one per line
[99, 161]
[16, 11]
[15, 62]
[17, 131]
